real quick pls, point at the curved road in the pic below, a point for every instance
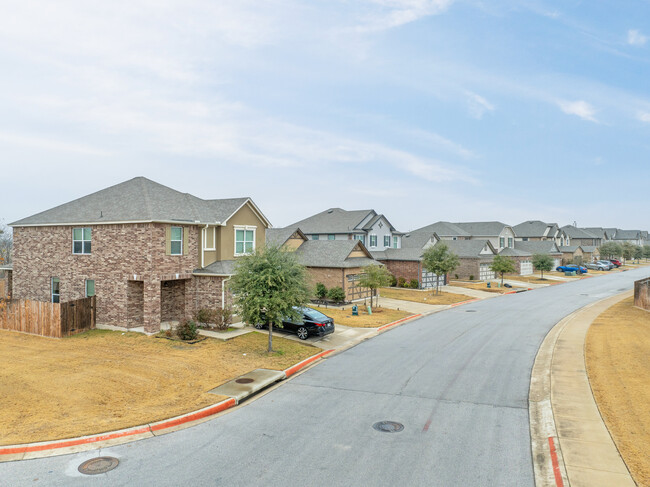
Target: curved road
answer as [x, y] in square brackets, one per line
[457, 380]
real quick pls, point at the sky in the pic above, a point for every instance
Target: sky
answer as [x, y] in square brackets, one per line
[423, 110]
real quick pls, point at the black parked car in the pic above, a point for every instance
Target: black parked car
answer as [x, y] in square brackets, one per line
[313, 323]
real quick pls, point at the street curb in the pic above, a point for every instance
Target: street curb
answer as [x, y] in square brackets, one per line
[466, 302]
[26, 451]
[395, 323]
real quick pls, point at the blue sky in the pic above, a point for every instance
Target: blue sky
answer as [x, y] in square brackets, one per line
[423, 110]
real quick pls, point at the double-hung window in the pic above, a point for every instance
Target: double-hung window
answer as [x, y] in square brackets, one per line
[81, 240]
[176, 241]
[386, 240]
[361, 238]
[395, 242]
[244, 240]
[55, 290]
[502, 242]
[373, 240]
[315, 237]
[510, 243]
[331, 237]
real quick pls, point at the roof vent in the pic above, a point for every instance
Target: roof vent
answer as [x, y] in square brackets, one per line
[330, 211]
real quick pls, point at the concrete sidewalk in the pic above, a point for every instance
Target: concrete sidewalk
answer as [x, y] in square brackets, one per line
[570, 442]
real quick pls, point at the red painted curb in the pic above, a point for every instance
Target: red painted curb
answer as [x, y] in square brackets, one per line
[398, 322]
[168, 423]
[556, 466]
[465, 302]
[292, 370]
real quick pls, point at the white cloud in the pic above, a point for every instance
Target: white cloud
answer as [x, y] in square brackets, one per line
[643, 117]
[635, 38]
[49, 144]
[394, 13]
[579, 108]
[477, 105]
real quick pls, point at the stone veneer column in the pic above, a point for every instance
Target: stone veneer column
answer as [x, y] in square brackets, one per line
[151, 312]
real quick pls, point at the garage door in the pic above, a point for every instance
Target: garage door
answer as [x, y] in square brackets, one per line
[429, 280]
[526, 267]
[485, 272]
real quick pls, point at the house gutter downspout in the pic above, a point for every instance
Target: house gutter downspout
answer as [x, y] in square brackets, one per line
[203, 237]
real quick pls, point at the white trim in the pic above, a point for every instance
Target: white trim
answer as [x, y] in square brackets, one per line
[205, 239]
[255, 210]
[253, 228]
[86, 287]
[204, 274]
[171, 240]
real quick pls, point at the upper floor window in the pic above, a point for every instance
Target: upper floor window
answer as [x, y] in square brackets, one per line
[395, 242]
[81, 240]
[315, 237]
[524, 239]
[510, 244]
[361, 238]
[176, 241]
[502, 242]
[373, 240]
[244, 240]
[56, 290]
[386, 240]
[331, 237]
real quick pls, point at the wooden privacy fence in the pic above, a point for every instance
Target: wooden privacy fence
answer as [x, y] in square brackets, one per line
[642, 293]
[48, 319]
[3, 289]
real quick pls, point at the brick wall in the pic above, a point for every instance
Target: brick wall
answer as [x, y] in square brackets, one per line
[172, 295]
[404, 268]
[120, 253]
[331, 277]
[469, 267]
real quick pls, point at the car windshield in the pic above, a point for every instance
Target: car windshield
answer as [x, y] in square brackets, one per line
[312, 314]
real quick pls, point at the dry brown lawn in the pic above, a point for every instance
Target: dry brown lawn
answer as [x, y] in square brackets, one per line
[482, 286]
[380, 316]
[535, 279]
[102, 380]
[618, 365]
[421, 296]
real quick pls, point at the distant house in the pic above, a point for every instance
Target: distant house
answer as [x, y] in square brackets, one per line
[500, 235]
[335, 263]
[149, 253]
[536, 230]
[475, 258]
[572, 254]
[522, 258]
[600, 233]
[632, 236]
[590, 253]
[543, 247]
[367, 226]
[582, 236]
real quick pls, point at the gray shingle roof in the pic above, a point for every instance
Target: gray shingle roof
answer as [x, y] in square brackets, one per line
[278, 236]
[569, 248]
[482, 229]
[575, 232]
[538, 247]
[533, 228]
[220, 268]
[333, 220]
[467, 249]
[416, 239]
[443, 229]
[627, 234]
[410, 254]
[590, 249]
[508, 252]
[138, 199]
[599, 232]
[610, 232]
[331, 253]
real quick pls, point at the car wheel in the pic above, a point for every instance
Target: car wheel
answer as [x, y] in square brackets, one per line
[302, 333]
[259, 326]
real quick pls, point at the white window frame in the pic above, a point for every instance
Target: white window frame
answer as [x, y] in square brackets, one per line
[502, 242]
[361, 238]
[52, 293]
[511, 242]
[315, 237]
[86, 287]
[83, 241]
[171, 240]
[331, 236]
[245, 228]
[395, 241]
[214, 238]
[370, 240]
[386, 240]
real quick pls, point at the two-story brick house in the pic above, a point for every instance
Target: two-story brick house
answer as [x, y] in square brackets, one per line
[149, 253]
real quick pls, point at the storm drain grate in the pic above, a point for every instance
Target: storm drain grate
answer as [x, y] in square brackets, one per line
[244, 380]
[98, 465]
[470, 311]
[388, 426]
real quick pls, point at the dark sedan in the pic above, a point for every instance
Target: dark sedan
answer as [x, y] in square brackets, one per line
[313, 323]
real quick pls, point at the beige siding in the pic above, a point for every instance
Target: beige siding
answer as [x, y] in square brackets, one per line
[226, 239]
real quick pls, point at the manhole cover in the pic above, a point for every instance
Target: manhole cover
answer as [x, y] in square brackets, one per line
[388, 426]
[245, 380]
[470, 311]
[98, 465]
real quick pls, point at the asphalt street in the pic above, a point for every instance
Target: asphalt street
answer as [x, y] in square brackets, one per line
[457, 380]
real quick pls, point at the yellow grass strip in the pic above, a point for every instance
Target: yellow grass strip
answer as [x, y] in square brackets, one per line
[103, 380]
[617, 351]
[379, 316]
[418, 296]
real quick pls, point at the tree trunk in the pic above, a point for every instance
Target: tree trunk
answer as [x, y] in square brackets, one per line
[502, 279]
[270, 337]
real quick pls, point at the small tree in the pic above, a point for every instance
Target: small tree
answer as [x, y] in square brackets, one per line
[375, 276]
[268, 286]
[6, 244]
[321, 291]
[638, 253]
[336, 294]
[627, 250]
[646, 252]
[609, 250]
[502, 265]
[440, 261]
[542, 262]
